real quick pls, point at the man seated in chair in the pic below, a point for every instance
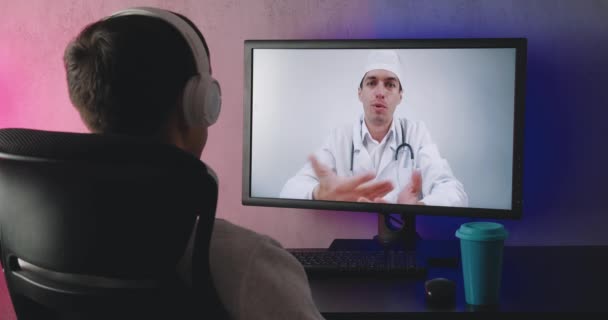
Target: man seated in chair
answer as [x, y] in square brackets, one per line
[146, 73]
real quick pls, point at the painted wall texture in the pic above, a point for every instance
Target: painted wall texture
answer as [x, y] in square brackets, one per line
[566, 100]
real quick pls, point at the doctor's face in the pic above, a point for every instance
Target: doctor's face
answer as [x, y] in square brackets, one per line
[380, 94]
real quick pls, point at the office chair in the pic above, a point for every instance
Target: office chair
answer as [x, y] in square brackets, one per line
[92, 226]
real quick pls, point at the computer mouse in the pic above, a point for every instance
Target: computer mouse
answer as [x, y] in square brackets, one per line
[440, 292]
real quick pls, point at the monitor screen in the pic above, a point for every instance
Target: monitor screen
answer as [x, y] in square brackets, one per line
[410, 126]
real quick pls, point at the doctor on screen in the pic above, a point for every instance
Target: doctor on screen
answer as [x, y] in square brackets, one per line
[379, 158]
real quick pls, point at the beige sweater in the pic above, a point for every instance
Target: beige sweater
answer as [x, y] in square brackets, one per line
[255, 277]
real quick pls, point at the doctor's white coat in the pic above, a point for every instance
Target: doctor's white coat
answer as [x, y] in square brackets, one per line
[439, 186]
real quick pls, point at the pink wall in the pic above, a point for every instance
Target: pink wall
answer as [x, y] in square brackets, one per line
[567, 53]
[33, 93]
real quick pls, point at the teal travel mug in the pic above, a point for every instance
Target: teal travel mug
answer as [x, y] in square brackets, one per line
[481, 247]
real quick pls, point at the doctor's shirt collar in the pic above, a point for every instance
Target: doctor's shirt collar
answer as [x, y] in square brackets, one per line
[390, 137]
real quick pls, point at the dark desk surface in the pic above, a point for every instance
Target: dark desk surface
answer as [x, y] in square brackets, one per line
[545, 279]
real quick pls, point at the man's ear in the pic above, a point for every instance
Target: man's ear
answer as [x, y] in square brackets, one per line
[175, 126]
[178, 118]
[359, 94]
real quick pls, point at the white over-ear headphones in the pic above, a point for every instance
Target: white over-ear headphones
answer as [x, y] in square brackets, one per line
[202, 96]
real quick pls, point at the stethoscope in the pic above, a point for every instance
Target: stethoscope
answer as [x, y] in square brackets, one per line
[392, 223]
[402, 145]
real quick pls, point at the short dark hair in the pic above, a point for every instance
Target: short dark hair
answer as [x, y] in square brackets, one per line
[126, 74]
[361, 83]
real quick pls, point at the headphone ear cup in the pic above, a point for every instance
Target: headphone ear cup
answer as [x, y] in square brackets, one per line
[193, 102]
[213, 101]
[202, 100]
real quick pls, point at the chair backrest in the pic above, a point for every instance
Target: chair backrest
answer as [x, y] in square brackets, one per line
[115, 210]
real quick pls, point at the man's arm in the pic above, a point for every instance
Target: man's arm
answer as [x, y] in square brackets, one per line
[442, 188]
[301, 185]
[256, 278]
[276, 286]
[439, 186]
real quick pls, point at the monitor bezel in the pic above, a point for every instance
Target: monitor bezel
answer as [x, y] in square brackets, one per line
[519, 44]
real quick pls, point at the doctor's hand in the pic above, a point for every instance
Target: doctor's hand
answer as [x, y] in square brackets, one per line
[409, 195]
[412, 191]
[333, 187]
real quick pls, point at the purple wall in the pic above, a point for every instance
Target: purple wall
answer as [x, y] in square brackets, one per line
[566, 98]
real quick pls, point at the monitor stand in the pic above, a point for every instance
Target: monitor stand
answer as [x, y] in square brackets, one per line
[436, 253]
[390, 236]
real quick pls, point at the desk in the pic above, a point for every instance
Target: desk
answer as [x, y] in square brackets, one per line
[545, 279]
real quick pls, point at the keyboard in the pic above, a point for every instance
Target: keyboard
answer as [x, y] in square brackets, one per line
[375, 263]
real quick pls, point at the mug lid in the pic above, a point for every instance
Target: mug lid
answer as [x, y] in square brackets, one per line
[482, 231]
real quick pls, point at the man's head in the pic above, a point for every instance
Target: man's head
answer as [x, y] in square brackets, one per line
[127, 74]
[380, 90]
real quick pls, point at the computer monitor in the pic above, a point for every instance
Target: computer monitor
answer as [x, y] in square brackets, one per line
[440, 120]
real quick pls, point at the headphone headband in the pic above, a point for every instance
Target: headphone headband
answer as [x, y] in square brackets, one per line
[202, 95]
[201, 58]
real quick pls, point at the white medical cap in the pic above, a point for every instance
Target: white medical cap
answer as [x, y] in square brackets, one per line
[384, 59]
